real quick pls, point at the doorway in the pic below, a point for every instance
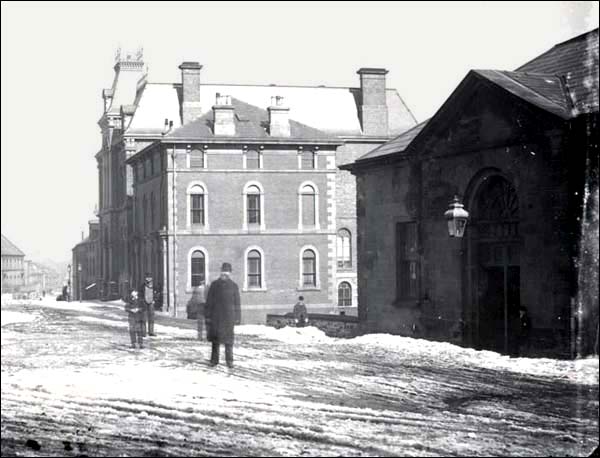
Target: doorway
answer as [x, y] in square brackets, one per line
[494, 266]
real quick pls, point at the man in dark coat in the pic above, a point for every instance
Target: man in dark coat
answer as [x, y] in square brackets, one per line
[136, 319]
[222, 312]
[146, 298]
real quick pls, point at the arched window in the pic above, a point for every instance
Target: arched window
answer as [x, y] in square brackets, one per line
[197, 205]
[309, 268]
[252, 159]
[253, 205]
[254, 269]
[308, 160]
[309, 204]
[344, 294]
[198, 270]
[196, 159]
[344, 249]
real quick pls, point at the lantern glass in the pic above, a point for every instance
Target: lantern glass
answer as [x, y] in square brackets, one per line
[451, 227]
[461, 224]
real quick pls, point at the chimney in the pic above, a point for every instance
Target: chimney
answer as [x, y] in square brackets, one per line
[224, 113]
[279, 118]
[373, 110]
[190, 80]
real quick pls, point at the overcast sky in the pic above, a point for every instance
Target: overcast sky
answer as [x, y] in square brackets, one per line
[57, 58]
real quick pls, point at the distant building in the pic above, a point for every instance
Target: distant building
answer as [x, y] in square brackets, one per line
[520, 150]
[85, 268]
[141, 114]
[13, 268]
[35, 277]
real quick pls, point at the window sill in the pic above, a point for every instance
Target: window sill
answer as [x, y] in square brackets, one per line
[254, 290]
[309, 288]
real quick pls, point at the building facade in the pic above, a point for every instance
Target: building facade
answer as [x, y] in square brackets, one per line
[13, 267]
[85, 267]
[138, 113]
[520, 150]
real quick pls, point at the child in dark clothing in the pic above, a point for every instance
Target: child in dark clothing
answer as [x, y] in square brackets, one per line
[136, 320]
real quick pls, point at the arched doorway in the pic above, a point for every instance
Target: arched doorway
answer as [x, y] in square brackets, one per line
[494, 272]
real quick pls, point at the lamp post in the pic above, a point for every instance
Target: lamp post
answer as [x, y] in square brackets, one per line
[79, 280]
[457, 217]
[69, 284]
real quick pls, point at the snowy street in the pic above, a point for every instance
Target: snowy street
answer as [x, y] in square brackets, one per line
[72, 384]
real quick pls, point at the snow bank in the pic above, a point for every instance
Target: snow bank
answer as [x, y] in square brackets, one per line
[288, 334]
[9, 317]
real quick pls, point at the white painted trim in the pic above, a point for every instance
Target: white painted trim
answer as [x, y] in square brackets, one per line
[189, 205]
[188, 281]
[317, 269]
[263, 286]
[245, 205]
[316, 189]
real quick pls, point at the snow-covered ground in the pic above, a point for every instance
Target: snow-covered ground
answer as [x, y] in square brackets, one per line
[71, 383]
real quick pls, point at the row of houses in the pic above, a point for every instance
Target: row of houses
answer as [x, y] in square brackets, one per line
[339, 195]
[24, 276]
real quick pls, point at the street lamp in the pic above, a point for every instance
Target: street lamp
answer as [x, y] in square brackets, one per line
[457, 218]
[69, 284]
[79, 278]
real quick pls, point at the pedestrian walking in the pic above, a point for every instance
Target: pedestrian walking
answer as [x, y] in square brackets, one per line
[524, 329]
[222, 312]
[146, 295]
[136, 319]
[300, 313]
[196, 305]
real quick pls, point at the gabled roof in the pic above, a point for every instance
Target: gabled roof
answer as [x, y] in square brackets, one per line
[9, 248]
[563, 81]
[577, 60]
[396, 145]
[251, 122]
[544, 91]
[333, 110]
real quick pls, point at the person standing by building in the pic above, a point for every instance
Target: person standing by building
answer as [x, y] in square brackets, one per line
[300, 313]
[196, 306]
[146, 294]
[222, 312]
[136, 319]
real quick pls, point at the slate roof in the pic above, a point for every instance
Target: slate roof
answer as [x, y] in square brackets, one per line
[9, 248]
[396, 145]
[544, 91]
[333, 110]
[562, 81]
[577, 60]
[251, 122]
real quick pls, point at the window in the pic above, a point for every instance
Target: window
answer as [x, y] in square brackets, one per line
[157, 165]
[197, 205]
[196, 159]
[147, 163]
[308, 197]
[253, 205]
[254, 269]
[145, 215]
[344, 253]
[252, 160]
[406, 260]
[198, 270]
[344, 294]
[152, 205]
[151, 161]
[308, 160]
[309, 268]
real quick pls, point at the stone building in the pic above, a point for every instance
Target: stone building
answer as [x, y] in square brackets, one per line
[85, 267]
[520, 150]
[13, 268]
[138, 113]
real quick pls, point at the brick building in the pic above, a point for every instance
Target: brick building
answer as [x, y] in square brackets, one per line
[13, 268]
[136, 110]
[520, 150]
[85, 282]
